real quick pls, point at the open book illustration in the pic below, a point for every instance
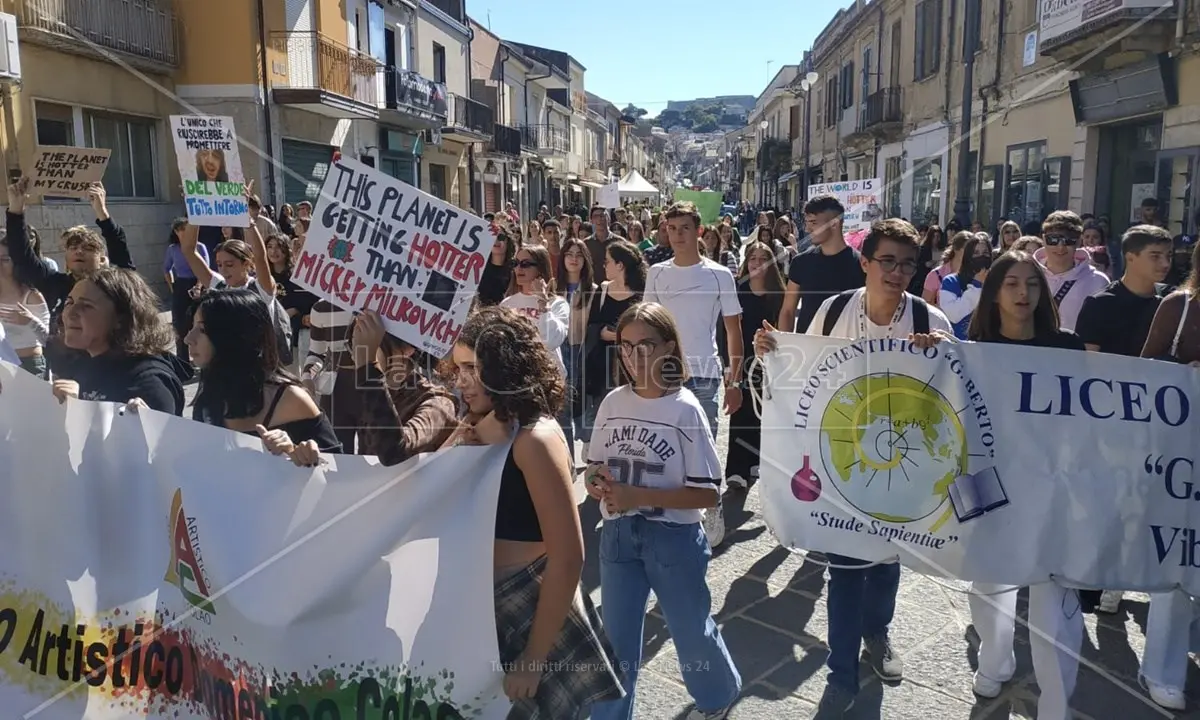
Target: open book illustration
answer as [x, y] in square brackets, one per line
[974, 495]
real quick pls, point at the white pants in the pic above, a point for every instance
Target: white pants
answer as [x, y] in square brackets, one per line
[1053, 610]
[1170, 628]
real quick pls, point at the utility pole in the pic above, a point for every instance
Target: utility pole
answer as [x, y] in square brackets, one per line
[962, 200]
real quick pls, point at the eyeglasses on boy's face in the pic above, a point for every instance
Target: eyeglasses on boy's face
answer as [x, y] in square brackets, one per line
[887, 264]
[1064, 240]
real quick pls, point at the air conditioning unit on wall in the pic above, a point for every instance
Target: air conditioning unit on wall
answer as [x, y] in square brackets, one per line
[10, 56]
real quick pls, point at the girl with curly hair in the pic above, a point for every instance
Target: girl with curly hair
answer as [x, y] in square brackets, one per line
[556, 658]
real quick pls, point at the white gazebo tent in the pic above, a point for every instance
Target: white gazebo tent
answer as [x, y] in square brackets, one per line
[636, 187]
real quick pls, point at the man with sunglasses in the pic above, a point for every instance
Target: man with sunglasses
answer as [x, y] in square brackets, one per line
[862, 596]
[1068, 267]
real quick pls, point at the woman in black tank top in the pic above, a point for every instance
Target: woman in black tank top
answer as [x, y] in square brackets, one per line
[243, 387]
[556, 659]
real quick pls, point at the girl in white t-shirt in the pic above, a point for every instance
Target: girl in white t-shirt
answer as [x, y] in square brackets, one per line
[535, 299]
[653, 467]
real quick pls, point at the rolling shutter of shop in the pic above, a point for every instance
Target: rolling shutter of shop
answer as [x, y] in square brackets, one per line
[491, 197]
[306, 165]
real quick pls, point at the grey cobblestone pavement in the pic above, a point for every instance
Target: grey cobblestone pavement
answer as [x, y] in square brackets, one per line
[771, 607]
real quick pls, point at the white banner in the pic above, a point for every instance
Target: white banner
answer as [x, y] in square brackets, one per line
[863, 200]
[253, 588]
[380, 244]
[997, 463]
[210, 166]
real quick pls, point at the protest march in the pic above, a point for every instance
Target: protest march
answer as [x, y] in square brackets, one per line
[365, 413]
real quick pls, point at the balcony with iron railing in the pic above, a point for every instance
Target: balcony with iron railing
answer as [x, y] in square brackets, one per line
[468, 118]
[546, 139]
[505, 140]
[143, 32]
[324, 76]
[883, 110]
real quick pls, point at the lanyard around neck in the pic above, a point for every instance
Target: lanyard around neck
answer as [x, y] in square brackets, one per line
[896, 317]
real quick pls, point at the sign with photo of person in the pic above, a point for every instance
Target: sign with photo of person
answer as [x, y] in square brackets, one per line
[987, 462]
[376, 243]
[164, 568]
[210, 167]
[67, 171]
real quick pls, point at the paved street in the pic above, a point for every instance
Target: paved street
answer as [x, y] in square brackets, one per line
[771, 608]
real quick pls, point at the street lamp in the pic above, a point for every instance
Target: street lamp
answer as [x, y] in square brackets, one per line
[762, 163]
[807, 84]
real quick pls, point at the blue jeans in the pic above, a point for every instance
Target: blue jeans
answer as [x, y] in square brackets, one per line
[705, 390]
[570, 417]
[639, 555]
[861, 604]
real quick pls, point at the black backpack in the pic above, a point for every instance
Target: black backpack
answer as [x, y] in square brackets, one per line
[920, 312]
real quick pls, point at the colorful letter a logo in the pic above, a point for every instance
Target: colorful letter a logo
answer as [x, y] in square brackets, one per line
[184, 569]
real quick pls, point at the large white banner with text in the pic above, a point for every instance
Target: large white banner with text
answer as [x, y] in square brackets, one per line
[997, 463]
[157, 567]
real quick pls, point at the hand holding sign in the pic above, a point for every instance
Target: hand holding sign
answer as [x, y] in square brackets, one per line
[18, 193]
[368, 337]
[98, 197]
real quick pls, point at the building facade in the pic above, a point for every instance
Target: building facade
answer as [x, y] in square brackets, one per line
[1091, 114]
[102, 79]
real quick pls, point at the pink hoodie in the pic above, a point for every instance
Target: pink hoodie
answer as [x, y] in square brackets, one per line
[1085, 281]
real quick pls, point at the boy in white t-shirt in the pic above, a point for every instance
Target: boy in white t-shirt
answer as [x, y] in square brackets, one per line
[699, 292]
[862, 596]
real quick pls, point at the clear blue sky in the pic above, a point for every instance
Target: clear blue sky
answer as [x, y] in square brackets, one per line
[646, 52]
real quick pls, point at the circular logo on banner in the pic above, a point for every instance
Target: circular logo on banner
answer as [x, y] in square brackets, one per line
[898, 435]
[893, 445]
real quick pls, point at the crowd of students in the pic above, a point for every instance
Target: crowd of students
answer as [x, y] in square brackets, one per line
[630, 344]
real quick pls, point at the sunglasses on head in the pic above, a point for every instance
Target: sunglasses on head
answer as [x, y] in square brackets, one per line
[525, 264]
[1067, 240]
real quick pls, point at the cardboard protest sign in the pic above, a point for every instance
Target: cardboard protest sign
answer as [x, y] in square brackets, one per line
[379, 244]
[863, 200]
[206, 149]
[61, 171]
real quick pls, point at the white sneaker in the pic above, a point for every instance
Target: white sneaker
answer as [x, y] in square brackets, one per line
[714, 525]
[1166, 696]
[986, 687]
[1110, 601]
[737, 481]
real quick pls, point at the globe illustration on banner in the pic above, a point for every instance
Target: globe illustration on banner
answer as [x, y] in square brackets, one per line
[892, 446]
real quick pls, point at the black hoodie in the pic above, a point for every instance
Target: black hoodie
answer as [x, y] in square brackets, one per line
[156, 379]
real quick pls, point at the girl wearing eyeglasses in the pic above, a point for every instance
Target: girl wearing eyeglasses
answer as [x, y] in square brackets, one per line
[653, 468]
[1068, 266]
[536, 300]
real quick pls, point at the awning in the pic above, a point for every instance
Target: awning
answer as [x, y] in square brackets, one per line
[576, 188]
[589, 183]
[786, 177]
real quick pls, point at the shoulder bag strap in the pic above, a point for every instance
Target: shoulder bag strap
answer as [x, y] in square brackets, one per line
[1187, 300]
[1062, 292]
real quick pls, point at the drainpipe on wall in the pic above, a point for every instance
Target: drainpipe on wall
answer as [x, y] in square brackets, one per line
[474, 193]
[267, 125]
[985, 93]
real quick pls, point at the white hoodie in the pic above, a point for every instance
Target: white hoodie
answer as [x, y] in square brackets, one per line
[552, 323]
[1085, 281]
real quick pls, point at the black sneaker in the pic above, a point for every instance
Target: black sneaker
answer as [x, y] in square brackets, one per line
[836, 701]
